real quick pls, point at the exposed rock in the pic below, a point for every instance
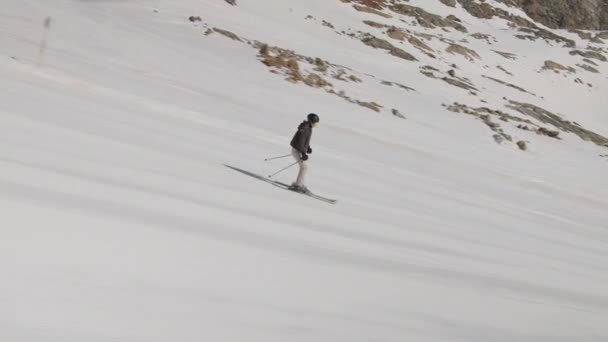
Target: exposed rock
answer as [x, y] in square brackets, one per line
[452, 17]
[588, 68]
[485, 115]
[479, 10]
[507, 55]
[457, 82]
[508, 84]
[587, 60]
[371, 105]
[371, 10]
[195, 19]
[399, 34]
[426, 19]
[387, 83]
[469, 54]
[320, 65]
[571, 14]
[486, 11]
[583, 35]
[556, 67]
[396, 113]
[547, 132]
[536, 33]
[499, 67]
[522, 145]
[328, 24]
[264, 50]
[379, 43]
[589, 54]
[451, 3]
[227, 34]
[602, 35]
[374, 24]
[547, 117]
[483, 36]
[316, 81]
[231, 2]
[396, 33]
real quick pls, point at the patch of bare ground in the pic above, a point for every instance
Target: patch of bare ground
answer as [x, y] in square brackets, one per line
[555, 120]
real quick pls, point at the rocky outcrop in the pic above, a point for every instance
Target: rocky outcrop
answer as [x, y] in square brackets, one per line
[556, 67]
[456, 49]
[570, 14]
[484, 10]
[426, 19]
[379, 43]
[547, 117]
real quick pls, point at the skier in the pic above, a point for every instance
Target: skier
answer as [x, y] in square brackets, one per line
[301, 149]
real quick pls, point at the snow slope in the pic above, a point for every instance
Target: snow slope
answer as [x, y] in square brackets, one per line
[120, 221]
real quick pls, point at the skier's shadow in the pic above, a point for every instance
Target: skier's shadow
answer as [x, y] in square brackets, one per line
[256, 176]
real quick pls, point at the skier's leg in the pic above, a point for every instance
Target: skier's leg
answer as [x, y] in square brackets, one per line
[303, 167]
[302, 174]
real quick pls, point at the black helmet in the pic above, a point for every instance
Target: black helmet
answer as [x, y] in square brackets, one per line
[313, 118]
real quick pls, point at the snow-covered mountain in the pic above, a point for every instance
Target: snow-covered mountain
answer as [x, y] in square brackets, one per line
[465, 143]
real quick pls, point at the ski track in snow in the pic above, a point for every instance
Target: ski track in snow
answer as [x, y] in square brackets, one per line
[121, 222]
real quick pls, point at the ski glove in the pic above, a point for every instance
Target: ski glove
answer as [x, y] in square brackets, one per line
[309, 151]
[304, 156]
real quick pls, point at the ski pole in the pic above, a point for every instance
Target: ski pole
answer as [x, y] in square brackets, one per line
[285, 156]
[281, 170]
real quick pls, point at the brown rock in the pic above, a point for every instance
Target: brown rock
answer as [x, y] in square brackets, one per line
[470, 54]
[522, 145]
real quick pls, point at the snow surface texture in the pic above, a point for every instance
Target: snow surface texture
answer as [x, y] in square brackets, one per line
[120, 221]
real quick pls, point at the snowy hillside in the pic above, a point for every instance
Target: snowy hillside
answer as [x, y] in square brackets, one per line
[466, 146]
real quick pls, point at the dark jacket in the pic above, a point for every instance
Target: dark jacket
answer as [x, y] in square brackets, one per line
[301, 140]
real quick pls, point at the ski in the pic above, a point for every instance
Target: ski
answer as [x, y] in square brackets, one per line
[282, 185]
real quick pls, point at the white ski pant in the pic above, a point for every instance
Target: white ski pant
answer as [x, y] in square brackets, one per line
[303, 166]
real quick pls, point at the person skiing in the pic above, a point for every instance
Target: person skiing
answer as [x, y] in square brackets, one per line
[300, 149]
